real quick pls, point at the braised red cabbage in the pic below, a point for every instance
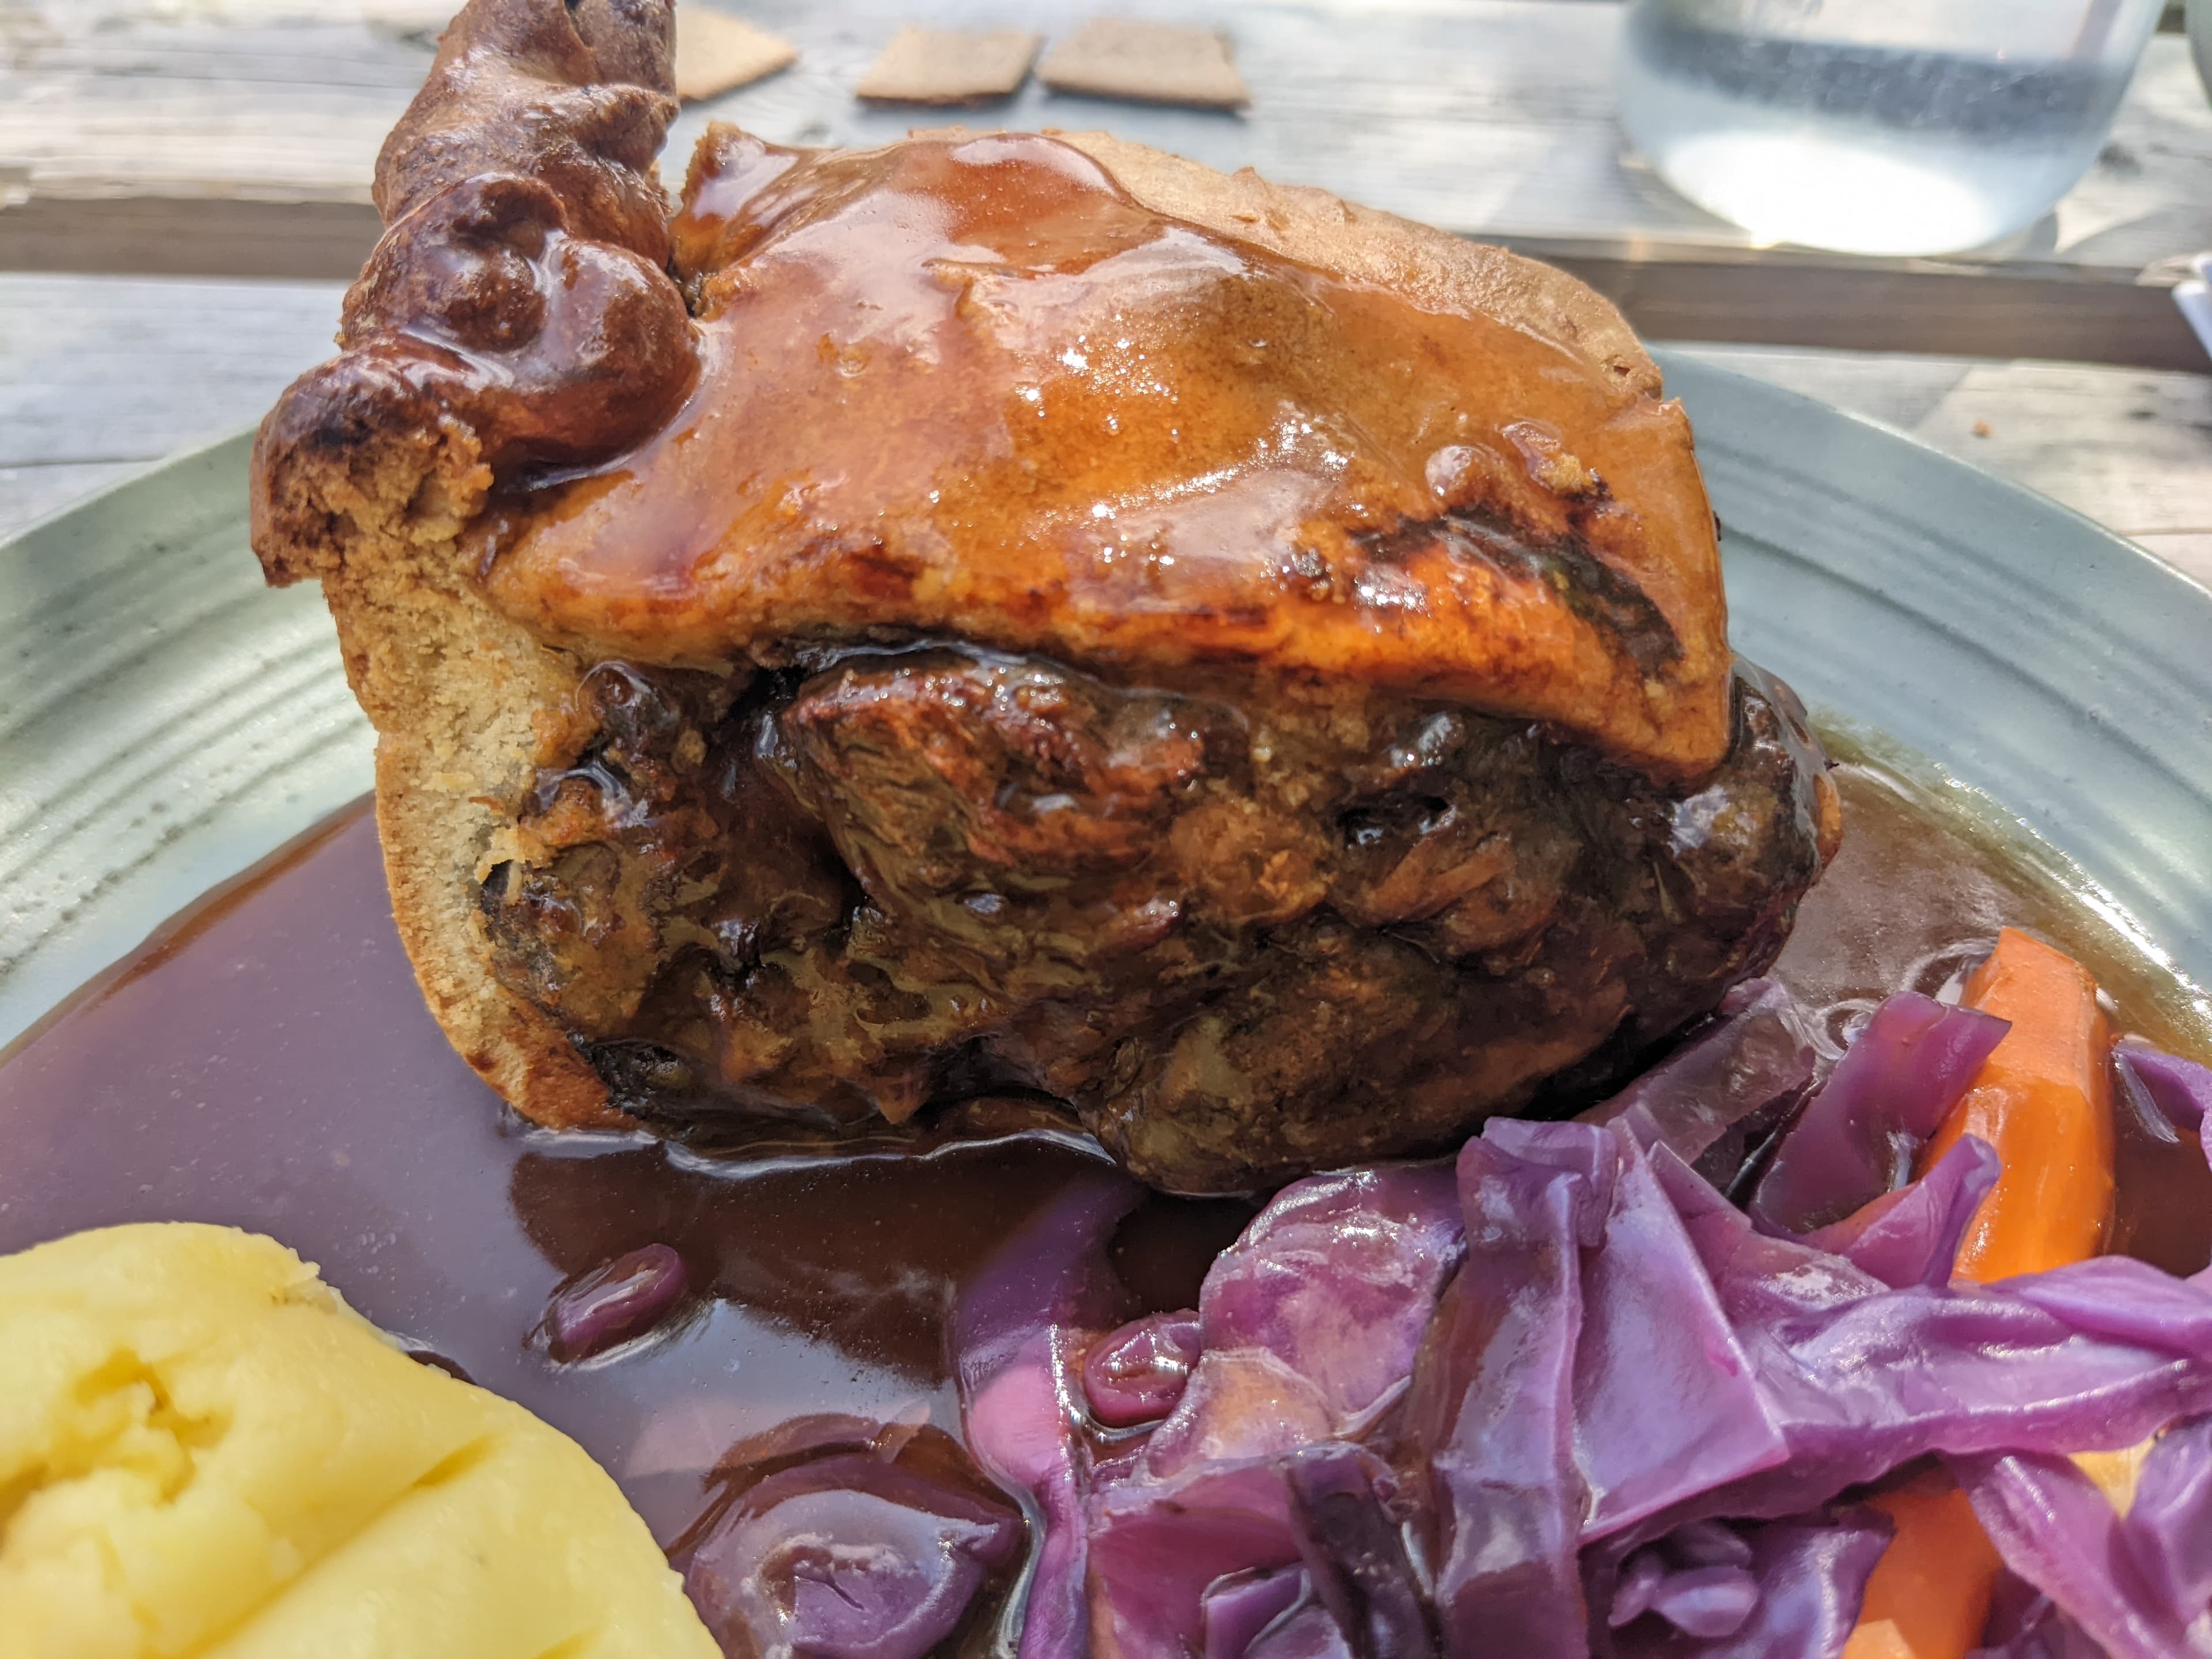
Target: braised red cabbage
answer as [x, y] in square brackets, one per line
[1310, 1321]
[1858, 1134]
[1237, 1607]
[2169, 1525]
[1717, 1098]
[1309, 1325]
[1911, 1235]
[2056, 1529]
[2178, 1091]
[614, 1304]
[836, 1537]
[2025, 1624]
[2135, 1584]
[1697, 1579]
[1489, 1414]
[1354, 1549]
[1165, 1556]
[1624, 1377]
[1794, 1590]
[1138, 1374]
[2053, 1634]
[1017, 1339]
[1650, 1327]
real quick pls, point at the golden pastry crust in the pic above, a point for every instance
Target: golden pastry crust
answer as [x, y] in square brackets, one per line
[990, 388]
[515, 313]
[520, 316]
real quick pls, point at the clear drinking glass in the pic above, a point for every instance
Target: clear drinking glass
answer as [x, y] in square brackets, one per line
[1877, 126]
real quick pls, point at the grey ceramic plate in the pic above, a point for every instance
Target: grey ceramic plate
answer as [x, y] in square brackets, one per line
[165, 720]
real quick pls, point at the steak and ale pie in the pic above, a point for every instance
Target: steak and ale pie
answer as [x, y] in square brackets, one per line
[1015, 613]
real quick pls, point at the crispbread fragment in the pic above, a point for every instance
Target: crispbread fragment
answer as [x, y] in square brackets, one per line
[717, 53]
[1147, 64]
[950, 66]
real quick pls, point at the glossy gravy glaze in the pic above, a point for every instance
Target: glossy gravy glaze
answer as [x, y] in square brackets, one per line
[266, 1062]
[977, 388]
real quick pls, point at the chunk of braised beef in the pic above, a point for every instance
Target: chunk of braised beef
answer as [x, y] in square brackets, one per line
[1244, 930]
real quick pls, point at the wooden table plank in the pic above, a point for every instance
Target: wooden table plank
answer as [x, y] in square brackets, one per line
[127, 122]
[187, 236]
[101, 375]
[103, 369]
[2068, 312]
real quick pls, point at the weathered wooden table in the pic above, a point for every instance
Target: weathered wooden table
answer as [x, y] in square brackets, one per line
[195, 152]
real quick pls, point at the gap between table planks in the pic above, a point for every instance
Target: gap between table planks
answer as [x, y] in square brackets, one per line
[235, 137]
[101, 375]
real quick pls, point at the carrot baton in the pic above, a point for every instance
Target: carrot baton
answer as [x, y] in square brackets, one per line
[2042, 1100]
[1930, 1594]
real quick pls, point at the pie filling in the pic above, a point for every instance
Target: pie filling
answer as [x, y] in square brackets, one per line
[1241, 929]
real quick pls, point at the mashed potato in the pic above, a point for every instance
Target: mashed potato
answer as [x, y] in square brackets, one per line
[204, 1452]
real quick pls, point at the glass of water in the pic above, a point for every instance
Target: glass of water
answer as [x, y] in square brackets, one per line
[1877, 126]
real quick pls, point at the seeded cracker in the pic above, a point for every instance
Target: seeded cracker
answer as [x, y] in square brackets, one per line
[950, 66]
[1149, 63]
[717, 53]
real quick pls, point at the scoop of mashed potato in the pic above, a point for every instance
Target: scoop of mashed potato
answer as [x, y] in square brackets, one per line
[204, 1451]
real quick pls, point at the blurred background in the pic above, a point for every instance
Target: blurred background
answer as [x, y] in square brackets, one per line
[1976, 220]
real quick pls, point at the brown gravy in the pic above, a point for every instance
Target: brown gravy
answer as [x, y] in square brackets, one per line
[265, 1060]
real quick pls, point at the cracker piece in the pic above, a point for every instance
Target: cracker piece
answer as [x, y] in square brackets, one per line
[717, 53]
[1148, 62]
[950, 66]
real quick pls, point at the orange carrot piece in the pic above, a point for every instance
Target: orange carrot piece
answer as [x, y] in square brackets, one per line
[1930, 1594]
[2043, 1100]
[2116, 1473]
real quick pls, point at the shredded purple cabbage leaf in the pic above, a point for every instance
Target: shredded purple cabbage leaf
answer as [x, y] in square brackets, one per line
[1560, 1398]
[1719, 1096]
[837, 1536]
[1633, 1423]
[615, 1303]
[1017, 1339]
[2176, 1092]
[1138, 1374]
[1857, 1136]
